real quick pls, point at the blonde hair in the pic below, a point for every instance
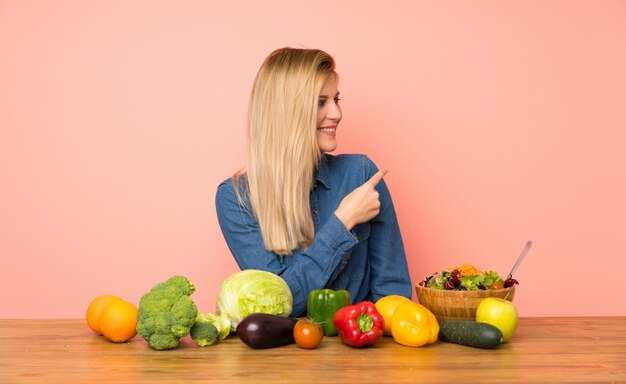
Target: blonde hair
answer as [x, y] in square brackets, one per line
[283, 154]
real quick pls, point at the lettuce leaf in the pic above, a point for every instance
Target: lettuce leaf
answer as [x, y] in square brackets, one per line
[471, 283]
[490, 278]
[438, 280]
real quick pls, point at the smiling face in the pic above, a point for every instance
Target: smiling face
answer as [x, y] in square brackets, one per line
[328, 115]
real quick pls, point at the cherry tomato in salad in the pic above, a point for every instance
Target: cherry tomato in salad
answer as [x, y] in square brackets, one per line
[308, 333]
[496, 285]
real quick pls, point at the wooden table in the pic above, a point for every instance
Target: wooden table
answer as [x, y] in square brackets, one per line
[549, 350]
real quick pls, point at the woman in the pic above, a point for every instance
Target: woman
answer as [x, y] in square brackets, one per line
[316, 220]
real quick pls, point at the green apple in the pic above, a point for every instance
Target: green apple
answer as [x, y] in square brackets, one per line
[500, 313]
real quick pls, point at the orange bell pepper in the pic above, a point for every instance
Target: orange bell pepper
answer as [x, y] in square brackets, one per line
[414, 325]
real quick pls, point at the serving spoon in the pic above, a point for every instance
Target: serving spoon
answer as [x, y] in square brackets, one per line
[525, 251]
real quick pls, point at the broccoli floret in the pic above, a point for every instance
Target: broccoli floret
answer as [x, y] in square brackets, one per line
[166, 313]
[204, 333]
[221, 322]
[209, 328]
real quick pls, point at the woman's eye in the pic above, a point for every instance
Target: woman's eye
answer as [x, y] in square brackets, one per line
[321, 103]
[337, 100]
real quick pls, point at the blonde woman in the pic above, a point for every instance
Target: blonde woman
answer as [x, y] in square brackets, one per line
[316, 220]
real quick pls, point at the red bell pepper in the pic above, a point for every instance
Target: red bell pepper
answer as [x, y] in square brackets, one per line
[359, 325]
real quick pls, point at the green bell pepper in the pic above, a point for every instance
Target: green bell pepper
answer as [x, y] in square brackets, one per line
[322, 305]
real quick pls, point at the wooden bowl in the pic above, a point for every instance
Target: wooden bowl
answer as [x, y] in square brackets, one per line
[457, 305]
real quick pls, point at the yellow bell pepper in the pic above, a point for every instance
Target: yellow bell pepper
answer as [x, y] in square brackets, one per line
[414, 325]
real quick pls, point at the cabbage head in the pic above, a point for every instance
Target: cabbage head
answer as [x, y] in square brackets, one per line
[253, 291]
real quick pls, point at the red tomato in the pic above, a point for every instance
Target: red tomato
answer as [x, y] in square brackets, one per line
[308, 333]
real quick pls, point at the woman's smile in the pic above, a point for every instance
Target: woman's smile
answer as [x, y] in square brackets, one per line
[329, 130]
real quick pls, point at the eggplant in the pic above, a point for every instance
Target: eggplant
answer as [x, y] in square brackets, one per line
[262, 330]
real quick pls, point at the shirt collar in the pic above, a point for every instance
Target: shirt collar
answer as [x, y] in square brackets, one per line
[323, 173]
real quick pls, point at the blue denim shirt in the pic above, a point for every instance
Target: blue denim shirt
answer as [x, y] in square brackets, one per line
[368, 261]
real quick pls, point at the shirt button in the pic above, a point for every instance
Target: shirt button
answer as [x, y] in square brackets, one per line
[315, 211]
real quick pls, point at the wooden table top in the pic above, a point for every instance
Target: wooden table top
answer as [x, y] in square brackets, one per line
[549, 350]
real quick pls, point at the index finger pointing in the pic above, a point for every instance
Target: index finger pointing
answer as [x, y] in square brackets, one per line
[378, 176]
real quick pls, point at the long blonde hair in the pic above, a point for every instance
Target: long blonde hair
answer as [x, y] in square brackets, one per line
[283, 154]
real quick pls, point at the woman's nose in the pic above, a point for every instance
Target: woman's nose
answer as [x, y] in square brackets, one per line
[334, 112]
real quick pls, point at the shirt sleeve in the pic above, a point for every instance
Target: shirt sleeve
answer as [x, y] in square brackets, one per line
[389, 269]
[309, 270]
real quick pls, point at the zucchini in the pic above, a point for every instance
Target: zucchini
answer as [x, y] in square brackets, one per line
[470, 333]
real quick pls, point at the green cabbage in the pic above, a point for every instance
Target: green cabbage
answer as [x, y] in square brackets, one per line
[253, 291]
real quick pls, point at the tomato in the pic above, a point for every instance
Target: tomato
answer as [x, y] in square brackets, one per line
[308, 333]
[496, 285]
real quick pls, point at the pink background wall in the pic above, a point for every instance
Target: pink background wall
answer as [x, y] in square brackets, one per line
[501, 122]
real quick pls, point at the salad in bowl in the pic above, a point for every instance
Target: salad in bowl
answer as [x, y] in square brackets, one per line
[466, 277]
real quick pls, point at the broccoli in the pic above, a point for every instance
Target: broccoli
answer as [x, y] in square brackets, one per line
[221, 322]
[166, 313]
[203, 332]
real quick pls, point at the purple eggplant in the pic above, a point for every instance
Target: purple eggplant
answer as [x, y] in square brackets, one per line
[262, 330]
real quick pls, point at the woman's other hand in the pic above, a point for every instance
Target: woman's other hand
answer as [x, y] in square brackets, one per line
[362, 204]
